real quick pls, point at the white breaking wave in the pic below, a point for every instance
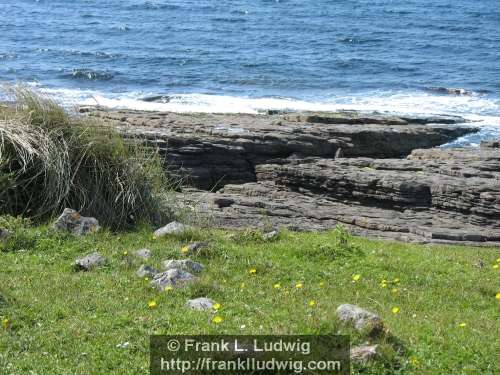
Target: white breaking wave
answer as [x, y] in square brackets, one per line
[484, 111]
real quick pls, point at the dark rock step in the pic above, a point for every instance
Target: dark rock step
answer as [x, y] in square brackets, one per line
[224, 148]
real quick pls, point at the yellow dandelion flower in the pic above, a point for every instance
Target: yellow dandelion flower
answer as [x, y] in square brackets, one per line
[495, 266]
[395, 290]
[497, 296]
[312, 303]
[217, 319]
[5, 323]
[277, 286]
[252, 271]
[356, 277]
[414, 361]
[242, 286]
[185, 249]
[462, 325]
[168, 288]
[498, 260]
[217, 306]
[395, 310]
[383, 285]
[299, 285]
[396, 280]
[152, 304]
[154, 238]
[146, 279]
[287, 292]
[322, 284]
[125, 253]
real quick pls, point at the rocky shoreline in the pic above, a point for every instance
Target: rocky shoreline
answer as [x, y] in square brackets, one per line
[379, 175]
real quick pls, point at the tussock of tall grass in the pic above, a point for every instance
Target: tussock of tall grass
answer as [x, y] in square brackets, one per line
[50, 159]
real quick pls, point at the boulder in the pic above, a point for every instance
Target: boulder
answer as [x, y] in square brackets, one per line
[71, 221]
[364, 353]
[362, 320]
[172, 228]
[183, 264]
[89, 262]
[174, 278]
[201, 303]
[146, 271]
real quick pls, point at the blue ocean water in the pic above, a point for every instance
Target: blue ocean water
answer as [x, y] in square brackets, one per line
[248, 55]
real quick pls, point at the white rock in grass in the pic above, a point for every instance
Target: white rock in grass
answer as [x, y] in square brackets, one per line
[269, 236]
[89, 262]
[201, 303]
[183, 264]
[172, 228]
[364, 353]
[146, 271]
[362, 320]
[173, 277]
[71, 221]
[143, 253]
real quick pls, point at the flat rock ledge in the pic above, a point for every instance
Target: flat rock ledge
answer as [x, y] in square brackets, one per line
[379, 175]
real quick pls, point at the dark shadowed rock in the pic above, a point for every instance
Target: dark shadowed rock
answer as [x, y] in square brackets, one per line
[172, 228]
[146, 271]
[71, 221]
[183, 264]
[4, 234]
[172, 278]
[361, 319]
[364, 353]
[217, 149]
[201, 303]
[89, 262]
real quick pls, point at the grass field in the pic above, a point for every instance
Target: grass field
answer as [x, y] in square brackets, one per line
[58, 321]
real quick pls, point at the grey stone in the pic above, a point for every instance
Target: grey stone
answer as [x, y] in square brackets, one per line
[172, 228]
[71, 221]
[146, 271]
[364, 353]
[4, 234]
[89, 262]
[183, 264]
[201, 303]
[143, 253]
[361, 319]
[173, 277]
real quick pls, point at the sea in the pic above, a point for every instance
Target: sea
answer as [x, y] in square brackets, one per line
[249, 56]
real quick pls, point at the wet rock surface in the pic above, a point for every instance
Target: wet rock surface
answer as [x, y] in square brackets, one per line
[379, 175]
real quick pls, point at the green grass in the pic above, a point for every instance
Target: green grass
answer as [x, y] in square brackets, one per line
[64, 322]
